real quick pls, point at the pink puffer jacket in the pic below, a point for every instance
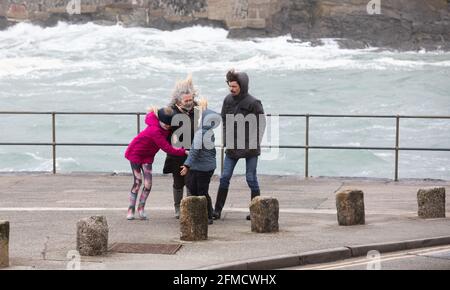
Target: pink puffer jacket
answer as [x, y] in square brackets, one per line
[144, 146]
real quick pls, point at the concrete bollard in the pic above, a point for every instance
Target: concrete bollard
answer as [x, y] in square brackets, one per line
[4, 244]
[264, 213]
[431, 202]
[350, 207]
[92, 236]
[194, 219]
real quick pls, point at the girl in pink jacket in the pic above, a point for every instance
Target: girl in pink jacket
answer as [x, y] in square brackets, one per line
[141, 152]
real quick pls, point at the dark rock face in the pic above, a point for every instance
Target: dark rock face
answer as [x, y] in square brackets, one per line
[163, 24]
[402, 24]
[4, 23]
[180, 7]
[346, 43]
[244, 33]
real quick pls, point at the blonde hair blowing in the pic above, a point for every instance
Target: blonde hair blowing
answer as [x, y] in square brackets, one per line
[153, 109]
[183, 87]
[202, 104]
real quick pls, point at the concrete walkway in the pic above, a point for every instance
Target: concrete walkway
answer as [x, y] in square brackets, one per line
[43, 210]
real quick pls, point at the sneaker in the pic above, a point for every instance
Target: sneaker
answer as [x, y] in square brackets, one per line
[247, 217]
[142, 214]
[177, 213]
[210, 221]
[130, 214]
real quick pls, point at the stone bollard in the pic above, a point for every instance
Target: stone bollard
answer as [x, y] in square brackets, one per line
[431, 202]
[92, 236]
[194, 218]
[264, 212]
[4, 244]
[350, 207]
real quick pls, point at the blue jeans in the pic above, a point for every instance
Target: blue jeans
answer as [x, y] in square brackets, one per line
[250, 173]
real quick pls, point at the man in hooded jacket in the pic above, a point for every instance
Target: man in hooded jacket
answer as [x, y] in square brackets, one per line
[239, 103]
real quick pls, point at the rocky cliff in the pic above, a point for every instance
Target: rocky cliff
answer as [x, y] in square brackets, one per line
[400, 24]
[403, 24]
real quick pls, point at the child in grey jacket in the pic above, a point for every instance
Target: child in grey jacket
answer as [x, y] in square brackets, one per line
[201, 161]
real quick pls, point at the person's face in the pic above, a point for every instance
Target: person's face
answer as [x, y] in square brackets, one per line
[187, 101]
[234, 87]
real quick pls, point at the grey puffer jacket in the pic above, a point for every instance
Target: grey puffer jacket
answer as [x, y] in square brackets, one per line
[202, 156]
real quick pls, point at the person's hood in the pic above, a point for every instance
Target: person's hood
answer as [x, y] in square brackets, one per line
[151, 119]
[210, 119]
[243, 83]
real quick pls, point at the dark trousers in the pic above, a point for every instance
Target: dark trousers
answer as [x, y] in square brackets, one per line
[198, 184]
[250, 173]
[178, 181]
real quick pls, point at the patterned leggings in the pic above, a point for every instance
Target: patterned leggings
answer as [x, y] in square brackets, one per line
[140, 170]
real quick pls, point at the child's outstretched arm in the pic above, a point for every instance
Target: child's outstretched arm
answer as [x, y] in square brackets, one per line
[168, 148]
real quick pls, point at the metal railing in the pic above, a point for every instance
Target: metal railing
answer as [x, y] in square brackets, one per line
[307, 147]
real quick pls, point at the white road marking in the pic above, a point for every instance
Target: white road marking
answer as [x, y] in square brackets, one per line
[384, 258]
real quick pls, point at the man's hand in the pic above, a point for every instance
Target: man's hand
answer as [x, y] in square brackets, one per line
[184, 170]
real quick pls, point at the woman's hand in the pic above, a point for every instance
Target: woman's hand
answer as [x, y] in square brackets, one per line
[184, 170]
[186, 152]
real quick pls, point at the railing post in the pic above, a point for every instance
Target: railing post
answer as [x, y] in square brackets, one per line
[397, 142]
[138, 123]
[54, 141]
[222, 156]
[307, 147]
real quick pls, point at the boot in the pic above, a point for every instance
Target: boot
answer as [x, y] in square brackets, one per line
[177, 197]
[132, 206]
[188, 191]
[142, 200]
[220, 202]
[141, 212]
[210, 209]
[253, 195]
